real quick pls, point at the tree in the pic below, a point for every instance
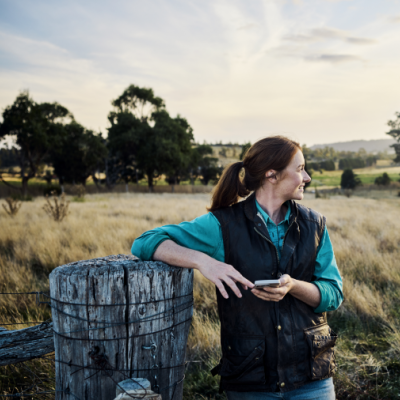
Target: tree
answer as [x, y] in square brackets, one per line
[349, 180]
[383, 180]
[166, 149]
[78, 155]
[350, 163]
[8, 157]
[199, 158]
[371, 160]
[131, 129]
[328, 165]
[146, 139]
[245, 147]
[140, 102]
[122, 143]
[395, 133]
[36, 129]
[210, 171]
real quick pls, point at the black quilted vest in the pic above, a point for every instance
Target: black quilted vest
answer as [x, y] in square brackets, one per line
[271, 346]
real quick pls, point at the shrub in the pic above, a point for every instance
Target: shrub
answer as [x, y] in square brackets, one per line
[349, 180]
[383, 180]
[79, 191]
[20, 197]
[48, 190]
[320, 195]
[314, 166]
[59, 210]
[12, 207]
[328, 165]
[348, 192]
[350, 163]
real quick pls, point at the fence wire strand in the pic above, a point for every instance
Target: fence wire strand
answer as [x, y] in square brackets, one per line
[101, 363]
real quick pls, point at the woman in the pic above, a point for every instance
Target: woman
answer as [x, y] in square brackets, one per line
[275, 341]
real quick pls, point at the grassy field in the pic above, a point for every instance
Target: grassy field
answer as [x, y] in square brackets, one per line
[326, 179]
[366, 241]
[366, 175]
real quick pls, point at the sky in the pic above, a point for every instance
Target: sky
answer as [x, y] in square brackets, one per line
[318, 71]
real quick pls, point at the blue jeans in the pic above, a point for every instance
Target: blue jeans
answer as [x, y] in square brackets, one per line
[319, 390]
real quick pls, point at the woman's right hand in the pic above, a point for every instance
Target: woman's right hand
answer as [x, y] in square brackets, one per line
[215, 271]
[220, 273]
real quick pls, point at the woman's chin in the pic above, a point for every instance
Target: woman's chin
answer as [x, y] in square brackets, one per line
[299, 195]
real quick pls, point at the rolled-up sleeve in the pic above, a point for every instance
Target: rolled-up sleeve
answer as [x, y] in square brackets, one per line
[202, 234]
[327, 276]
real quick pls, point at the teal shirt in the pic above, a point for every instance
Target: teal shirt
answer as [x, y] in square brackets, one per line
[204, 234]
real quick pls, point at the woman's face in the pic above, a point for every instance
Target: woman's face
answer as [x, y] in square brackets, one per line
[291, 181]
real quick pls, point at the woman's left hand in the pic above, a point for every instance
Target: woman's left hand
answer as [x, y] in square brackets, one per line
[275, 294]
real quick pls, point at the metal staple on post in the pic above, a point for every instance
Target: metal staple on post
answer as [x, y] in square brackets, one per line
[169, 304]
[155, 367]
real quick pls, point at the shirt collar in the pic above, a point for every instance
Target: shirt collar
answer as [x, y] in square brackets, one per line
[267, 218]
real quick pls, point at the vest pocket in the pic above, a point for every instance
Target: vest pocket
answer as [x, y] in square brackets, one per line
[321, 339]
[243, 359]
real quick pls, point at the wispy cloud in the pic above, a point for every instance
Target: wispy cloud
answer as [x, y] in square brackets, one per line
[395, 19]
[234, 69]
[247, 27]
[356, 40]
[333, 58]
[319, 34]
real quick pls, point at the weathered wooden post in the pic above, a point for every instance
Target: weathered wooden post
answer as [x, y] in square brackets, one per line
[116, 318]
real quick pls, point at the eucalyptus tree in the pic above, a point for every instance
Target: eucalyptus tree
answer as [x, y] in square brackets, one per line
[145, 139]
[395, 133]
[78, 155]
[36, 129]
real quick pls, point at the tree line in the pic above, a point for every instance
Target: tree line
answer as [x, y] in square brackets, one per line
[325, 158]
[143, 141]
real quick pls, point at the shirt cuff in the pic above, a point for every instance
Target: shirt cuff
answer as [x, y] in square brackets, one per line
[144, 248]
[327, 302]
[156, 244]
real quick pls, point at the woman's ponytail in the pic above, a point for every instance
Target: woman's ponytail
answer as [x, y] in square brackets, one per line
[270, 153]
[229, 188]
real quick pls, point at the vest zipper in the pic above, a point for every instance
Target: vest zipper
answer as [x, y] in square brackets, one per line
[284, 236]
[276, 251]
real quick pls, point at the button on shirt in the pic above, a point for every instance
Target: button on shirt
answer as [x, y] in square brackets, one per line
[204, 234]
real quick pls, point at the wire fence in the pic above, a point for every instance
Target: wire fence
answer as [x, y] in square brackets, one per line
[99, 362]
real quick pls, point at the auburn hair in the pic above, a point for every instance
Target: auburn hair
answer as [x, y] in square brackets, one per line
[273, 152]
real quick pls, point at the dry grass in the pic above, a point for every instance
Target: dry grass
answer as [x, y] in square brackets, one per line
[12, 206]
[366, 241]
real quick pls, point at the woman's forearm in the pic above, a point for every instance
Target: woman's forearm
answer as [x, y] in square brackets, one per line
[173, 254]
[306, 292]
[217, 272]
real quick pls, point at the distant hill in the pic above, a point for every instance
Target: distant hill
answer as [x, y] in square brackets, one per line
[371, 146]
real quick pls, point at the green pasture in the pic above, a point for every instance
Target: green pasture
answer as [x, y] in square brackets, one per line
[366, 175]
[323, 178]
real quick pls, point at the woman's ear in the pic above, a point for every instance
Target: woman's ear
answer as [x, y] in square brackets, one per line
[271, 175]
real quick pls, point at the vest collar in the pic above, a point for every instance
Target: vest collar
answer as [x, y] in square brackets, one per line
[250, 209]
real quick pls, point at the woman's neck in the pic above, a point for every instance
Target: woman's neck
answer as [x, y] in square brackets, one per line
[274, 206]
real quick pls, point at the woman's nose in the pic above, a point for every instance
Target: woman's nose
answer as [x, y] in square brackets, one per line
[306, 177]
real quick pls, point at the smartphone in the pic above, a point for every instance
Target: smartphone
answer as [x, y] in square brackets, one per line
[270, 283]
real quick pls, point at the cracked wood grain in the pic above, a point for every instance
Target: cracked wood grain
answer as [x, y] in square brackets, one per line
[150, 311]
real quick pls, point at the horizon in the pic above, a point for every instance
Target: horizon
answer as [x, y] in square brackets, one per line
[316, 71]
[4, 143]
